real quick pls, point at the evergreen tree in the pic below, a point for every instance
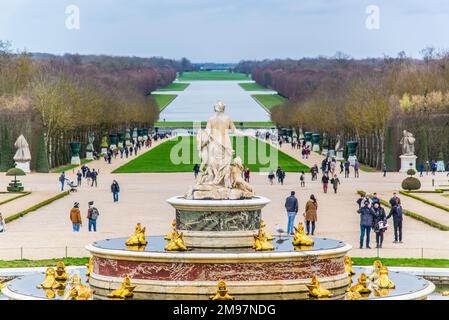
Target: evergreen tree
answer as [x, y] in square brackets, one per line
[41, 155]
[423, 147]
[6, 151]
[390, 156]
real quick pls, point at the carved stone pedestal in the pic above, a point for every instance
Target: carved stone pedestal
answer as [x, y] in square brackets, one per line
[408, 162]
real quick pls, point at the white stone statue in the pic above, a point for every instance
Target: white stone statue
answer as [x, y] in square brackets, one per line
[338, 143]
[23, 154]
[408, 143]
[216, 154]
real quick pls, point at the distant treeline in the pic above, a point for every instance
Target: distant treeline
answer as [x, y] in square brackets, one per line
[370, 100]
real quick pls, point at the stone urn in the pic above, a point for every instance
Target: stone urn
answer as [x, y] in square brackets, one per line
[316, 142]
[75, 148]
[352, 149]
[104, 145]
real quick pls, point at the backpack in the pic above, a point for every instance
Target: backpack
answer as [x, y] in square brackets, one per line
[94, 213]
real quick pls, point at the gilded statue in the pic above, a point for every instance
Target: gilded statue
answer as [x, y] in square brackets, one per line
[90, 266]
[353, 295]
[361, 286]
[77, 290]
[60, 274]
[378, 292]
[261, 243]
[2, 285]
[315, 289]
[138, 238]
[222, 292]
[348, 266]
[217, 177]
[377, 264]
[126, 290]
[445, 293]
[300, 238]
[176, 243]
[383, 281]
[268, 235]
[169, 236]
[49, 281]
[408, 143]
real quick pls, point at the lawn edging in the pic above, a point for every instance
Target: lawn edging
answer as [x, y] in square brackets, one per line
[21, 194]
[430, 203]
[37, 206]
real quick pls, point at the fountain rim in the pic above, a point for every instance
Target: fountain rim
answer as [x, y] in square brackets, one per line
[255, 201]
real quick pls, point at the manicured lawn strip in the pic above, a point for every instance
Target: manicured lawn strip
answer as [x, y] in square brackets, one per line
[269, 101]
[175, 86]
[187, 124]
[43, 263]
[212, 75]
[426, 191]
[253, 86]
[20, 195]
[37, 206]
[70, 166]
[430, 203]
[158, 159]
[366, 168]
[163, 100]
[403, 262]
[414, 215]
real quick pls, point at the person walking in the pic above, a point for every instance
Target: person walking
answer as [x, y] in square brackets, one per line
[2, 224]
[246, 174]
[342, 167]
[335, 182]
[79, 177]
[291, 205]
[88, 177]
[126, 152]
[94, 175]
[347, 167]
[385, 169]
[311, 214]
[92, 216]
[196, 170]
[271, 177]
[366, 221]
[396, 213]
[115, 189]
[75, 217]
[302, 179]
[421, 169]
[325, 182]
[427, 167]
[84, 170]
[380, 223]
[62, 180]
[356, 168]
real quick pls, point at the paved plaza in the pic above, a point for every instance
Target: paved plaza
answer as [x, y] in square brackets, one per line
[47, 232]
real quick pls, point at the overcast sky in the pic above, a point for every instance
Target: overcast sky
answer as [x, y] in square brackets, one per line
[226, 30]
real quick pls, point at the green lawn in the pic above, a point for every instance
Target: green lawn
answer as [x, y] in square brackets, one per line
[185, 155]
[163, 100]
[269, 100]
[175, 86]
[70, 166]
[187, 124]
[253, 86]
[212, 75]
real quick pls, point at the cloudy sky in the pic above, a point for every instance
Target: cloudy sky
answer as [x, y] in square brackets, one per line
[227, 30]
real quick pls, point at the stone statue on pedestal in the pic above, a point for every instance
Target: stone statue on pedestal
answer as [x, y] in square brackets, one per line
[23, 155]
[217, 178]
[90, 146]
[408, 143]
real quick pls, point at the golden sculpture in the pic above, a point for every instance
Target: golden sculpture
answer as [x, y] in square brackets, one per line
[361, 286]
[90, 266]
[138, 238]
[268, 236]
[2, 285]
[60, 273]
[261, 243]
[383, 281]
[353, 295]
[222, 292]
[169, 236]
[77, 290]
[50, 293]
[445, 293]
[381, 292]
[300, 238]
[176, 243]
[316, 291]
[377, 264]
[348, 266]
[126, 290]
[49, 281]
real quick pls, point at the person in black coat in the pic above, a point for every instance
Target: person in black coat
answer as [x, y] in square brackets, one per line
[380, 222]
[115, 189]
[396, 213]
[366, 222]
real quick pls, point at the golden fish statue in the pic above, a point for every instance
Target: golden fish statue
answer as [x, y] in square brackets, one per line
[169, 236]
[383, 282]
[78, 291]
[60, 274]
[176, 243]
[138, 238]
[268, 235]
[377, 264]
[353, 295]
[445, 293]
[361, 286]
[315, 289]
[348, 266]
[300, 238]
[261, 243]
[381, 292]
[50, 293]
[222, 292]
[49, 281]
[90, 266]
[126, 290]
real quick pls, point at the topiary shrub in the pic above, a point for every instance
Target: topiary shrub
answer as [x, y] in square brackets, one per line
[411, 172]
[411, 183]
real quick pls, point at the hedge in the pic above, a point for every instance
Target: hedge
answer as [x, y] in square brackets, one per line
[21, 194]
[37, 206]
[431, 203]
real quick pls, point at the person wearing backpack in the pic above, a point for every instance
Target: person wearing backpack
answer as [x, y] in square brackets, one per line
[92, 216]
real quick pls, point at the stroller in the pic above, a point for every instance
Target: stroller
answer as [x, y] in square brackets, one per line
[72, 185]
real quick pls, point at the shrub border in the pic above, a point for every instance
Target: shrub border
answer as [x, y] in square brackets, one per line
[21, 194]
[415, 215]
[431, 203]
[35, 207]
